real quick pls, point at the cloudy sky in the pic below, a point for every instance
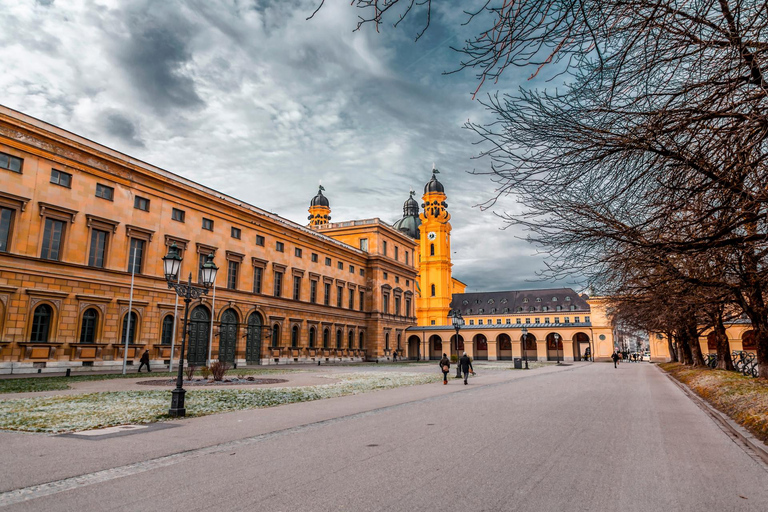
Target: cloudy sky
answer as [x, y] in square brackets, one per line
[250, 98]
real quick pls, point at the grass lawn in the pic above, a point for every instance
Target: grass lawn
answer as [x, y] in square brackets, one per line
[744, 399]
[69, 413]
[40, 383]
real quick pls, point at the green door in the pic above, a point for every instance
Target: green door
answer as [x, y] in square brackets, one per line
[228, 336]
[199, 328]
[253, 341]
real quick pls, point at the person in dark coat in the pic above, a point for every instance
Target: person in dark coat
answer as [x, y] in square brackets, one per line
[445, 367]
[615, 357]
[466, 366]
[144, 361]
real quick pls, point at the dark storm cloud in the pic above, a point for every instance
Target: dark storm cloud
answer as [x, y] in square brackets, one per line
[120, 126]
[154, 53]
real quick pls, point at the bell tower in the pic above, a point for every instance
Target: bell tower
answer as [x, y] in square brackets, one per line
[319, 209]
[435, 247]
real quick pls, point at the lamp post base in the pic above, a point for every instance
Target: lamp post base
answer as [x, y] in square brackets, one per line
[177, 403]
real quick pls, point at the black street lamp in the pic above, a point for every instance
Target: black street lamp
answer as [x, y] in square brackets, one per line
[557, 347]
[525, 352]
[457, 320]
[171, 266]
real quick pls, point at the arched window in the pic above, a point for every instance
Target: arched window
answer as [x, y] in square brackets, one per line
[167, 336]
[338, 338]
[41, 324]
[361, 339]
[88, 327]
[351, 339]
[386, 341]
[312, 335]
[433, 290]
[431, 249]
[326, 338]
[295, 336]
[276, 335]
[129, 331]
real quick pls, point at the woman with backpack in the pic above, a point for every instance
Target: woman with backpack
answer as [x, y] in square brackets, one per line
[445, 366]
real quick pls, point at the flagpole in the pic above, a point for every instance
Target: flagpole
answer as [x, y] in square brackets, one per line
[130, 309]
[175, 317]
[213, 315]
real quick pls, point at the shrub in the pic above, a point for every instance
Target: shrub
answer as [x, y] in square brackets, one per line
[219, 369]
[454, 358]
[190, 371]
[205, 372]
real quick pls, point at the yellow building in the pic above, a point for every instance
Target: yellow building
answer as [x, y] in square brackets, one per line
[80, 221]
[741, 337]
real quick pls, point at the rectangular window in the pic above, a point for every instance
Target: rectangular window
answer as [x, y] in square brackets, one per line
[279, 246]
[386, 276]
[546, 320]
[509, 320]
[407, 307]
[10, 162]
[61, 178]
[538, 320]
[297, 252]
[236, 233]
[6, 217]
[105, 192]
[480, 322]
[397, 306]
[340, 266]
[567, 320]
[397, 252]
[141, 203]
[498, 320]
[385, 303]
[260, 240]
[471, 322]
[351, 299]
[314, 257]
[313, 291]
[233, 271]
[53, 236]
[576, 319]
[586, 319]
[98, 248]
[327, 262]
[136, 255]
[364, 244]
[351, 269]
[397, 279]
[527, 320]
[278, 284]
[557, 320]
[362, 272]
[296, 288]
[258, 274]
[519, 321]
[384, 247]
[177, 215]
[361, 301]
[207, 224]
[406, 257]
[326, 294]
[339, 296]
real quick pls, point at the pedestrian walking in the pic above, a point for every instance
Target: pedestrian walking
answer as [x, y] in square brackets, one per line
[145, 361]
[615, 357]
[394, 356]
[445, 367]
[466, 366]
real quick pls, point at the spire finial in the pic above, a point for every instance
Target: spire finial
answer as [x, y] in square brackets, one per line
[434, 169]
[412, 192]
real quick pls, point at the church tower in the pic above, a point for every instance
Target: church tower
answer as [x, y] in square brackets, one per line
[435, 264]
[319, 209]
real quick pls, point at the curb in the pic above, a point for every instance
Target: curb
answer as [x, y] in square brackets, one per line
[741, 434]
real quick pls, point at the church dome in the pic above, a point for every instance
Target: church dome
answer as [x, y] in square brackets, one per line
[410, 222]
[411, 206]
[320, 199]
[434, 185]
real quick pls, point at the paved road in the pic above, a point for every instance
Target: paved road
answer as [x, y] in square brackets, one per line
[585, 437]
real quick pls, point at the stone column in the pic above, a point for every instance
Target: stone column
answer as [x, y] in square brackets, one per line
[541, 350]
[517, 349]
[493, 350]
[469, 348]
[567, 352]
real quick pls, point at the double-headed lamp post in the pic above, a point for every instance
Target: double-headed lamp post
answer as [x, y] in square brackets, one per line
[457, 320]
[171, 266]
[557, 347]
[525, 352]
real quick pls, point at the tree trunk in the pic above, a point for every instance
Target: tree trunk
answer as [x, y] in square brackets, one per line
[724, 361]
[672, 350]
[683, 348]
[693, 340]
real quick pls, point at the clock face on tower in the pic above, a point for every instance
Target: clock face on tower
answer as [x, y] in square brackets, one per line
[432, 235]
